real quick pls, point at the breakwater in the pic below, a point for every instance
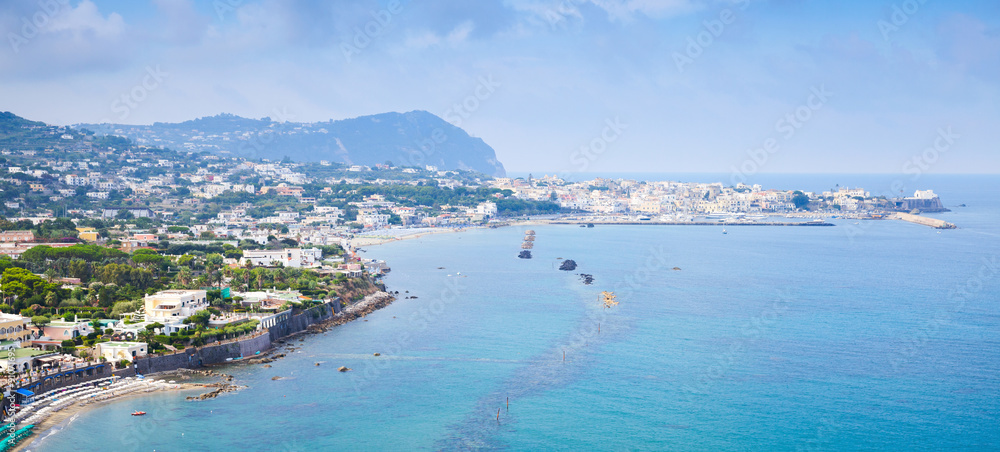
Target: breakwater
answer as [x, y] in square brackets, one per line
[701, 223]
[923, 221]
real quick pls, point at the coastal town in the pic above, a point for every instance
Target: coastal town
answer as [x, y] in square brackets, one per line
[116, 254]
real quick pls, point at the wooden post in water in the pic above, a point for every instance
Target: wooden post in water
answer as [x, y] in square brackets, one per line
[564, 355]
[508, 403]
[498, 415]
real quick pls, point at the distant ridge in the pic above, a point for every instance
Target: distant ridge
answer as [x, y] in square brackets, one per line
[415, 138]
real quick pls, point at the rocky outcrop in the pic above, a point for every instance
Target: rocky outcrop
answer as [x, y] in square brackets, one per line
[220, 388]
[568, 265]
[524, 254]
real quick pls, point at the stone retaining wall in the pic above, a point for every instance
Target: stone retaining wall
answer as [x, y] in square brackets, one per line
[218, 353]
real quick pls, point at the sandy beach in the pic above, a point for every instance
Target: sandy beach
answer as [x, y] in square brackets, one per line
[391, 235]
[57, 420]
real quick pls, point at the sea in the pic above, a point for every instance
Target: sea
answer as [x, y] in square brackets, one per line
[870, 335]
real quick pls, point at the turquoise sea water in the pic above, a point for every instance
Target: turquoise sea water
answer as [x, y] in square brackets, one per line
[881, 335]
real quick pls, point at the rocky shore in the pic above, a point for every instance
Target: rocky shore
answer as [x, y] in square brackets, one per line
[368, 305]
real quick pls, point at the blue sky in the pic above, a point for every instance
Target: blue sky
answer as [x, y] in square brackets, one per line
[773, 86]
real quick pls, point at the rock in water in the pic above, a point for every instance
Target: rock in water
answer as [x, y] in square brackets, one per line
[344, 368]
[568, 265]
[525, 254]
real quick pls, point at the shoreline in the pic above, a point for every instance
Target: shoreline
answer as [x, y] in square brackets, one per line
[362, 241]
[57, 421]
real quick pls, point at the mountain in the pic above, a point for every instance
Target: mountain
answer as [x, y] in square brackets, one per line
[21, 133]
[416, 138]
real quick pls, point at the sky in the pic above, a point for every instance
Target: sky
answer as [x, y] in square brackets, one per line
[733, 86]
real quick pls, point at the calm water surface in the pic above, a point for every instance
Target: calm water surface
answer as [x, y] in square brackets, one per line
[881, 335]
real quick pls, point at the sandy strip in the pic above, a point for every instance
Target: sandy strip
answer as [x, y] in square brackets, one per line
[60, 419]
[363, 241]
[374, 240]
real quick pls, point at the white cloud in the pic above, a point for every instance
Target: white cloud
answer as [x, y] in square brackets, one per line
[627, 9]
[86, 18]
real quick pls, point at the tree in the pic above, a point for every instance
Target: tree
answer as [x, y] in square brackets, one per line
[39, 321]
[184, 276]
[52, 299]
[213, 262]
[200, 318]
[800, 200]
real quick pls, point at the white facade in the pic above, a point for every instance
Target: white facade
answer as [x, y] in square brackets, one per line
[487, 208]
[172, 306]
[117, 351]
[288, 257]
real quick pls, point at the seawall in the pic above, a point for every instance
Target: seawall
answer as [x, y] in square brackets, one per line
[247, 346]
[924, 221]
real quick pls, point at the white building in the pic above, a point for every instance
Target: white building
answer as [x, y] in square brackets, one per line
[288, 257]
[171, 307]
[487, 208]
[117, 351]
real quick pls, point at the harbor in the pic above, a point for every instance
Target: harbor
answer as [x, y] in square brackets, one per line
[697, 223]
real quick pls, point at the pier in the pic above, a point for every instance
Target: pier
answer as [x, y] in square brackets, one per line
[699, 223]
[921, 220]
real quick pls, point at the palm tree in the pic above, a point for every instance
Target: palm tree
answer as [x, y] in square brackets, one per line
[184, 276]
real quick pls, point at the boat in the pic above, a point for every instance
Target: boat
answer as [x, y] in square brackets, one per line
[724, 231]
[138, 413]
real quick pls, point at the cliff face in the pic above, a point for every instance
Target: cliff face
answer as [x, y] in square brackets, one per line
[415, 138]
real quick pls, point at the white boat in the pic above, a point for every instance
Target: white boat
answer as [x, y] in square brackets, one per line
[724, 231]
